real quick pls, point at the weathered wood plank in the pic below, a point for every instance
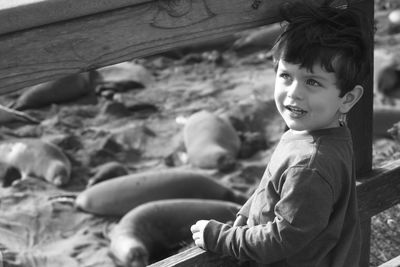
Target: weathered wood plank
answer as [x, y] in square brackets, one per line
[48, 52]
[18, 15]
[365, 243]
[360, 124]
[360, 117]
[379, 191]
[196, 257]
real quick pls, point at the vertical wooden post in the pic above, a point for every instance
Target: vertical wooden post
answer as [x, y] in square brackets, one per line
[366, 242]
[360, 117]
[360, 123]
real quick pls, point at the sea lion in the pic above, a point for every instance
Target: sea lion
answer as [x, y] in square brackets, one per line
[37, 158]
[118, 196]
[123, 76]
[8, 115]
[8, 174]
[383, 120]
[152, 230]
[107, 171]
[386, 74]
[389, 80]
[394, 21]
[61, 90]
[210, 141]
[262, 38]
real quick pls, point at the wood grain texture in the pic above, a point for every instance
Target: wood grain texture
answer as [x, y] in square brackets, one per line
[197, 257]
[44, 53]
[360, 116]
[379, 191]
[18, 15]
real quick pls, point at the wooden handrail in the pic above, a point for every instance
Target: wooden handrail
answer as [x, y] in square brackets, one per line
[379, 190]
[376, 192]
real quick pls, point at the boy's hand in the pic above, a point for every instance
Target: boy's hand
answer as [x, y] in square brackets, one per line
[198, 232]
[240, 220]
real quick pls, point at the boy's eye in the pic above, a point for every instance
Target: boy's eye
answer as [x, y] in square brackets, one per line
[313, 82]
[285, 76]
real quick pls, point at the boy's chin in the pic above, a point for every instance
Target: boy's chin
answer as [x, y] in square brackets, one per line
[297, 126]
[309, 125]
[308, 128]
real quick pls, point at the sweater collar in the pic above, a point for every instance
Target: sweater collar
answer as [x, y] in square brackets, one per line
[336, 132]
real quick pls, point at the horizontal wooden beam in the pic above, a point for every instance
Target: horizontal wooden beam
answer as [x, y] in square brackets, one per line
[87, 34]
[44, 53]
[19, 15]
[379, 191]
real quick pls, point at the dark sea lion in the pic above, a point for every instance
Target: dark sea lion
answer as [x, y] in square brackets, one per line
[383, 120]
[394, 21]
[386, 74]
[107, 171]
[210, 141]
[389, 80]
[123, 76]
[156, 229]
[36, 158]
[8, 115]
[118, 196]
[8, 174]
[259, 39]
[61, 90]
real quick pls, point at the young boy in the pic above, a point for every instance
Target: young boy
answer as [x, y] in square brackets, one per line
[304, 211]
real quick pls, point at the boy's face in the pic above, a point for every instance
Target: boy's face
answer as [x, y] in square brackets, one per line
[307, 100]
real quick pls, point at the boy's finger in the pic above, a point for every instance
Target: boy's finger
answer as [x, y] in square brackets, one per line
[199, 243]
[196, 236]
[194, 228]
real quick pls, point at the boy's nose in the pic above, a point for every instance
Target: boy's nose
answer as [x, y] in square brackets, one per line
[295, 91]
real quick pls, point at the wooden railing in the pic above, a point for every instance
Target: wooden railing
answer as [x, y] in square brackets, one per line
[81, 35]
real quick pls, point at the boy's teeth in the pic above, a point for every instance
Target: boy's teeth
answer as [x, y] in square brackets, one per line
[296, 110]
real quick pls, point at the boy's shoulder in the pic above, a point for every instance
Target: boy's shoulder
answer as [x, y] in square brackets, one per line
[321, 151]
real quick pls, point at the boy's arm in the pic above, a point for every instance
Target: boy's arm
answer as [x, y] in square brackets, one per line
[301, 214]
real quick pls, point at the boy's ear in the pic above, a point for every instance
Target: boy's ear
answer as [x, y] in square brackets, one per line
[351, 98]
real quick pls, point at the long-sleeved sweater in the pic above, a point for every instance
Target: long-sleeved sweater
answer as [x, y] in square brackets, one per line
[304, 211]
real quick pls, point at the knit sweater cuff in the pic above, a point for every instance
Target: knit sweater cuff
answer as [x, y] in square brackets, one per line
[210, 232]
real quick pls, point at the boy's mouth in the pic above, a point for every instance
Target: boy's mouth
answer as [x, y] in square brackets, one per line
[295, 110]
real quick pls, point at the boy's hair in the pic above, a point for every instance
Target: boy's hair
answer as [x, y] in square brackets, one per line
[338, 38]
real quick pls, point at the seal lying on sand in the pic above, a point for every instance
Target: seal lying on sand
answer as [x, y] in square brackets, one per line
[210, 141]
[383, 120]
[34, 157]
[8, 174]
[65, 89]
[154, 229]
[107, 171]
[118, 196]
[8, 115]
